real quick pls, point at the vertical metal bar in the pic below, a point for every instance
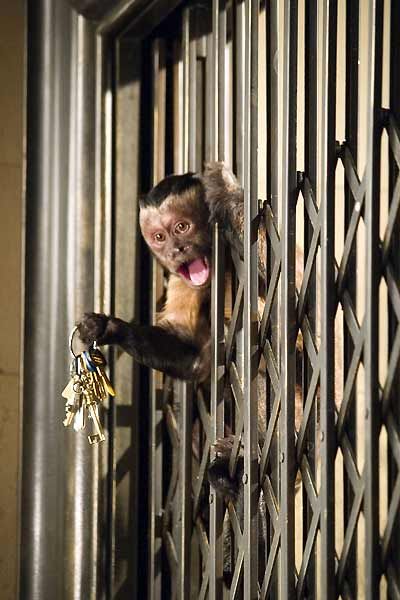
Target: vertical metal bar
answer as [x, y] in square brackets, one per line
[47, 268]
[186, 86]
[239, 89]
[394, 58]
[185, 391]
[217, 316]
[326, 203]
[310, 145]
[221, 40]
[103, 224]
[85, 533]
[272, 103]
[185, 485]
[250, 315]
[352, 57]
[239, 125]
[156, 379]
[127, 435]
[310, 141]
[192, 146]
[211, 113]
[395, 252]
[372, 211]
[177, 105]
[217, 408]
[273, 177]
[288, 318]
[159, 95]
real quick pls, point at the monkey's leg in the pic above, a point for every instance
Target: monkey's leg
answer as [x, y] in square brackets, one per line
[166, 350]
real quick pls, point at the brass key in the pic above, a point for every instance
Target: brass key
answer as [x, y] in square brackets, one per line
[74, 400]
[100, 362]
[94, 415]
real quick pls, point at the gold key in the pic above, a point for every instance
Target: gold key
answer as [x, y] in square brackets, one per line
[68, 391]
[106, 382]
[73, 402]
[100, 362]
[98, 386]
[98, 436]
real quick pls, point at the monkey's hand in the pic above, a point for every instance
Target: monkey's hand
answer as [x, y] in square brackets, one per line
[97, 327]
[224, 197]
[163, 348]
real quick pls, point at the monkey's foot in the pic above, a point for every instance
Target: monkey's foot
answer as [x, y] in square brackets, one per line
[218, 471]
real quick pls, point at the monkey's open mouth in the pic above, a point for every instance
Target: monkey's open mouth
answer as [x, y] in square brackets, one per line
[197, 271]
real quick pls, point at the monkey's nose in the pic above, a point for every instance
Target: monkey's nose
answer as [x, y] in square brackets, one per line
[179, 250]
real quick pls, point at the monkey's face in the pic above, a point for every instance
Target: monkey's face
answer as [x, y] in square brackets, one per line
[178, 234]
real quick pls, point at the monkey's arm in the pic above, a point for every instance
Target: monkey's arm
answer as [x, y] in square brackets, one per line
[162, 348]
[224, 197]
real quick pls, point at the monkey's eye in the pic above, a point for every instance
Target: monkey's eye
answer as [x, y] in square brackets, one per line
[182, 227]
[159, 237]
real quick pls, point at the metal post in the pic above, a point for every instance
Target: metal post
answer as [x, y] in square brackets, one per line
[288, 319]
[272, 345]
[129, 412]
[310, 308]
[213, 132]
[326, 202]
[61, 503]
[250, 314]
[352, 58]
[156, 581]
[371, 343]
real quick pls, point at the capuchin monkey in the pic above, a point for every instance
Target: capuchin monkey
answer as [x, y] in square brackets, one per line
[175, 220]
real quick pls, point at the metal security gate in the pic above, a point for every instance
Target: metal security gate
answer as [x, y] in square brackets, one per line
[302, 99]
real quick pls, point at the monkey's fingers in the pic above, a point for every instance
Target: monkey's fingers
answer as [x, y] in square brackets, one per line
[92, 327]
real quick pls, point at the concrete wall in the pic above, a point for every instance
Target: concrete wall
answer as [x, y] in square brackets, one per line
[12, 41]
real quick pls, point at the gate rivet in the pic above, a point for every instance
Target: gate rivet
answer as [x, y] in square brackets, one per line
[282, 457]
[245, 478]
[322, 436]
[211, 498]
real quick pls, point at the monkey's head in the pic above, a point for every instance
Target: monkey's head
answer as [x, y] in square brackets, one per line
[174, 223]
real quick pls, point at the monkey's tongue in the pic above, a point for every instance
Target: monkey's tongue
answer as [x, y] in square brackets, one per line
[198, 271]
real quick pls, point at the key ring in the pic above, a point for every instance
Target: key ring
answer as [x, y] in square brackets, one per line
[71, 339]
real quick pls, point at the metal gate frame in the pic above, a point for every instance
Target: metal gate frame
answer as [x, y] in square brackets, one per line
[292, 310]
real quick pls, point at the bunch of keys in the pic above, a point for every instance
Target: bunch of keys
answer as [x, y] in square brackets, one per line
[87, 388]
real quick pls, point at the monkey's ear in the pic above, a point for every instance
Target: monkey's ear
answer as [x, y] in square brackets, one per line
[141, 201]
